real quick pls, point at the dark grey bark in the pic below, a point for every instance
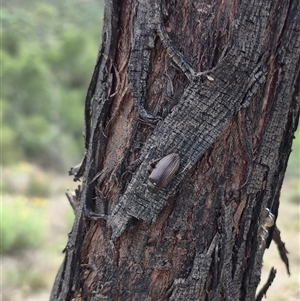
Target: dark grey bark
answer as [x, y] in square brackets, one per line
[216, 82]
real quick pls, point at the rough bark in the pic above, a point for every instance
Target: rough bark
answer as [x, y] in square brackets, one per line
[216, 82]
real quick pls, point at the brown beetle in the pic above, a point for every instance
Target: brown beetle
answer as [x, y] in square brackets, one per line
[163, 172]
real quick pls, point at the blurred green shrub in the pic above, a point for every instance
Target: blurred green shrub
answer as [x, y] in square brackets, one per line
[27, 279]
[28, 180]
[22, 224]
[38, 187]
[48, 52]
[293, 169]
[10, 153]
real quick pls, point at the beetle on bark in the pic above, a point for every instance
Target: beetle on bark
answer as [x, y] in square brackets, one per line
[163, 172]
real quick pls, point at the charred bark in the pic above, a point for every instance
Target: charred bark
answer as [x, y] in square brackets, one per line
[217, 83]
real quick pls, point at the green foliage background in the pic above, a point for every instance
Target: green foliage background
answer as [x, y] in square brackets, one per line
[48, 51]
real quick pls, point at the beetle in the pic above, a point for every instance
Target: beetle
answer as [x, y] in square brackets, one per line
[163, 172]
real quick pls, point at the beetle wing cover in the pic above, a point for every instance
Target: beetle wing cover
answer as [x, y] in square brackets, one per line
[164, 170]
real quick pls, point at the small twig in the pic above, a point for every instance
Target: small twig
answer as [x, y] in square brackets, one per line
[281, 248]
[74, 198]
[263, 291]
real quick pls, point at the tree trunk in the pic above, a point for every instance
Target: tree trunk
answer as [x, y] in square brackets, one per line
[217, 83]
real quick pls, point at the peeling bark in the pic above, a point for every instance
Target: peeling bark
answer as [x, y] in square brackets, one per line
[216, 82]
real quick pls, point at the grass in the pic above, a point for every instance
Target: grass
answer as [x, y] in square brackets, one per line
[23, 223]
[36, 219]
